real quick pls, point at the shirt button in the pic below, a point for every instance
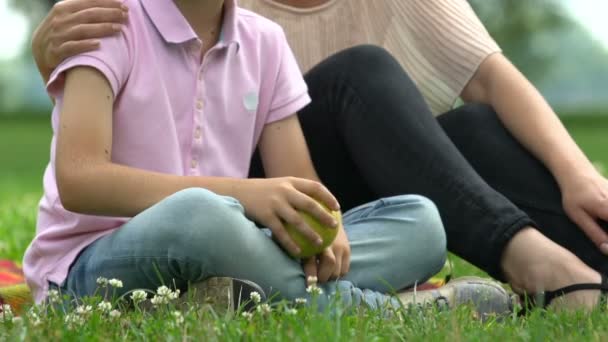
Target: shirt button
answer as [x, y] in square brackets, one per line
[199, 104]
[197, 133]
[194, 163]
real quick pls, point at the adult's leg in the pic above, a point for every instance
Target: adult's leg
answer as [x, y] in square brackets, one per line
[196, 234]
[367, 120]
[369, 115]
[510, 169]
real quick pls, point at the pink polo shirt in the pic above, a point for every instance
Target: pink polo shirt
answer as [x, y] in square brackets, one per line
[172, 114]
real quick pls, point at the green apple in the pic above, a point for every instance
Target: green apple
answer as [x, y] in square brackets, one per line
[327, 234]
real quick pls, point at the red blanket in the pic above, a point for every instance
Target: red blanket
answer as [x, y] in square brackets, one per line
[13, 290]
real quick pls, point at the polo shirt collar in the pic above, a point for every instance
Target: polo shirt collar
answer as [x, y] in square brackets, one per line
[174, 27]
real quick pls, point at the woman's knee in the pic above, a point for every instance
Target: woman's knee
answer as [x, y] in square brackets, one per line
[370, 62]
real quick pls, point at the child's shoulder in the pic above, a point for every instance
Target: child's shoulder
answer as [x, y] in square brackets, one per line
[253, 23]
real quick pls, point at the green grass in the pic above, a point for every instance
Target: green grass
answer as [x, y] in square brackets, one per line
[23, 156]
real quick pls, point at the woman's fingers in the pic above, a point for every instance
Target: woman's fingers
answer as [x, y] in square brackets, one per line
[97, 15]
[73, 48]
[592, 229]
[292, 217]
[71, 6]
[90, 31]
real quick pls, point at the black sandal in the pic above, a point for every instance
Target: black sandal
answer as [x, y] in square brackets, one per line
[545, 298]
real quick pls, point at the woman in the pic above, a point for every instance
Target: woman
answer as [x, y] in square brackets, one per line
[518, 197]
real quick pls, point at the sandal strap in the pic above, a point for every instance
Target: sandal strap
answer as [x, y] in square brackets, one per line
[551, 295]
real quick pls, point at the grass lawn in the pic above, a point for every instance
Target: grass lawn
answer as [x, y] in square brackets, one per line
[23, 156]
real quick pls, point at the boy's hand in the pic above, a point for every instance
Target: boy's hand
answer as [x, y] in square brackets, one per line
[275, 202]
[333, 263]
[72, 27]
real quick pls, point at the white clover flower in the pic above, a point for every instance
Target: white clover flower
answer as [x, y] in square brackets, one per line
[17, 320]
[114, 314]
[164, 295]
[104, 306]
[53, 296]
[247, 315]
[139, 296]
[264, 308]
[255, 297]
[314, 290]
[73, 320]
[179, 318]
[33, 318]
[84, 310]
[6, 315]
[301, 301]
[115, 283]
[159, 300]
[102, 281]
[174, 294]
[291, 311]
[312, 280]
[163, 291]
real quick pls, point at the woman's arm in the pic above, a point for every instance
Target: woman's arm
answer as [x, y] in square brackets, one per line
[531, 120]
[284, 153]
[73, 27]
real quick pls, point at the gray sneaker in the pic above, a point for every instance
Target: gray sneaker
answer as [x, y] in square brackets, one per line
[223, 294]
[487, 297]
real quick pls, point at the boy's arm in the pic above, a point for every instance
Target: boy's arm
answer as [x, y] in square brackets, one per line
[284, 153]
[87, 179]
[90, 183]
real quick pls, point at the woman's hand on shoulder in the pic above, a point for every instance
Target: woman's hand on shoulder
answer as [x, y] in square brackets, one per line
[275, 202]
[73, 27]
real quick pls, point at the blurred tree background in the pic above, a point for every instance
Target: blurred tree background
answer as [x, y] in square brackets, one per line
[555, 51]
[528, 31]
[541, 37]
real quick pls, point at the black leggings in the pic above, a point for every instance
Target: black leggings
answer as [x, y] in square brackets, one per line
[371, 134]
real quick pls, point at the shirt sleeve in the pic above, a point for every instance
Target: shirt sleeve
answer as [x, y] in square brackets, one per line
[112, 59]
[290, 92]
[441, 43]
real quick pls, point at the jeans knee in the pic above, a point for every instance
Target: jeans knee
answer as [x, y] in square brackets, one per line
[430, 219]
[195, 216]
[430, 232]
[434, 231]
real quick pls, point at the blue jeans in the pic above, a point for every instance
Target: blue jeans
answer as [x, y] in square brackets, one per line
[196, 234]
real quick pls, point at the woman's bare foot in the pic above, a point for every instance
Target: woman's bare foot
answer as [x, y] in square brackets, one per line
[532, 263]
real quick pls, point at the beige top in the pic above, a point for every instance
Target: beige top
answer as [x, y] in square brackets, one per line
[439, 42]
